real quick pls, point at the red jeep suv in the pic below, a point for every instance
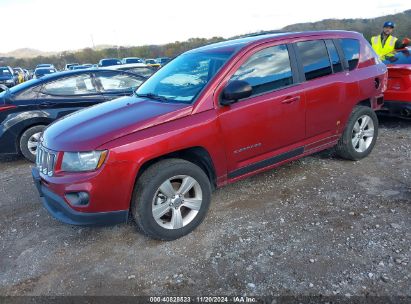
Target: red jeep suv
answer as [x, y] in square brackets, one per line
[210, 117]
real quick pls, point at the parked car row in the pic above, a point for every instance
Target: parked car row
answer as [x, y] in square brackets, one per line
[157, 63]
[10, 77]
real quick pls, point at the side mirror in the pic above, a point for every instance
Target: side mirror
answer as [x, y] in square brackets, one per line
[15, 74]
[234, 91]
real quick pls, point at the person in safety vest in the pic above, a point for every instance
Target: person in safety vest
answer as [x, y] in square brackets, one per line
[386, 43]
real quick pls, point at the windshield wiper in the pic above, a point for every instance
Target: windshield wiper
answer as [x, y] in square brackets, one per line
[153, 96]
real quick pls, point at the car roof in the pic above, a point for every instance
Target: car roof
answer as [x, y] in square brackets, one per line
[256, 39]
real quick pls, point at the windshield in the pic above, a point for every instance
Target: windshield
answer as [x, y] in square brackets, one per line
[398, 57]
[182, 79]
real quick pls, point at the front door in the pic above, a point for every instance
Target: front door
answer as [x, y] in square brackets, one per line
[258, 129]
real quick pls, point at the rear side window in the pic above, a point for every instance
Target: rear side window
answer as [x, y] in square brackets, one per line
[266, 70]
[315, 60]
[351, 49]
[75, 85]
[335, 59]
[114, 82]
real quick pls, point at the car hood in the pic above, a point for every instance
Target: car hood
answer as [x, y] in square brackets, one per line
[92, 127]
[5, 77]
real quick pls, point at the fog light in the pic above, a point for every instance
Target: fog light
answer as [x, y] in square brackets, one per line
[78, 198]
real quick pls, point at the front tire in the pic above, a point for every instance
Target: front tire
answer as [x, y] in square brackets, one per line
[29, 141]
[360, 134]
[171, 198]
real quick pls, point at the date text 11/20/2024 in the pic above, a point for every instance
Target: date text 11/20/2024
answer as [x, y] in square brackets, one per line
[203, 299]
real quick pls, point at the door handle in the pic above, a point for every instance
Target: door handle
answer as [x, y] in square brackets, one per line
[290, 99]
[46, 104]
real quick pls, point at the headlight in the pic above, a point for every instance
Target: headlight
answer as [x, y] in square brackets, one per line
[9, 80]
[83, 161]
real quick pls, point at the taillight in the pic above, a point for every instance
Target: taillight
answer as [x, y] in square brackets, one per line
[6, 107]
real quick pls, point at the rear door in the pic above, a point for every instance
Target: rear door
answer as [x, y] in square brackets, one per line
[266, 124]
[323, 74]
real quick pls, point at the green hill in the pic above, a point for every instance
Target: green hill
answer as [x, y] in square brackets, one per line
[368, 27]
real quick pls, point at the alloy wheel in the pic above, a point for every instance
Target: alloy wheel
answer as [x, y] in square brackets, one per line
[177, 202]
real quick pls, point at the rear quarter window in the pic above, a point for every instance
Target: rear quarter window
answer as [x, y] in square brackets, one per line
[351, 49]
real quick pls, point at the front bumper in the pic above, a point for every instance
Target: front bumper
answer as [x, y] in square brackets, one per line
[397, 108]
[60, 210]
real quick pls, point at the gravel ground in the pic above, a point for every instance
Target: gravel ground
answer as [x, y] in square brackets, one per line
[317, 226]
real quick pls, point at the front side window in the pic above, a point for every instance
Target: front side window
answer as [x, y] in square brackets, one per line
[314, 58]
[75, 85]
[351, 49]
[112, 81]
[182, 79]
[266, 70]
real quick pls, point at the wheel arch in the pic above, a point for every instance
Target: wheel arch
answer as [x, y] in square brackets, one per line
[196, 155]
[27, 126]
[365, 102]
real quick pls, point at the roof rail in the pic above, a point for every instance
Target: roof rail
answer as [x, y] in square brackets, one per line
[259, 34]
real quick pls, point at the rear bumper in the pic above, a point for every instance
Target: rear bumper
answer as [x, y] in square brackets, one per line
[60, 210]
[397, 108]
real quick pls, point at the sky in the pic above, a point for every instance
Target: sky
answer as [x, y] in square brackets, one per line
[57, 25]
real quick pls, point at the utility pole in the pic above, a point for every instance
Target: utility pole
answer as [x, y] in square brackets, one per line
[92, 41]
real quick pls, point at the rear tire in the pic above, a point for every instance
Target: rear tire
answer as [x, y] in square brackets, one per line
[360, 134]
[171, 198]
[29, 140]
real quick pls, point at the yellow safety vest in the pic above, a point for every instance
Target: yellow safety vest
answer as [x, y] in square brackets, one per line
[388, 47]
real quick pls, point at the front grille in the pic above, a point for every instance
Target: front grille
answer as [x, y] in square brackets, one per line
[45, 160]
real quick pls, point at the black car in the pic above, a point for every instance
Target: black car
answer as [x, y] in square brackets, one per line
[40, 72]
[7, 77]
[26, 109]
[109, 62]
